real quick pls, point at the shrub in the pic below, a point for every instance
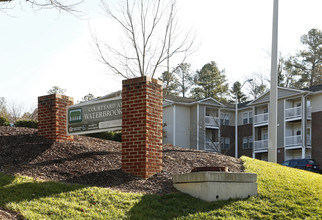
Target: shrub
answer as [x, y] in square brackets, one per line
[26, 123]
[4, 121]
[108, 135]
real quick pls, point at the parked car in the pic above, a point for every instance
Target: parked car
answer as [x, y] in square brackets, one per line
[304, 164]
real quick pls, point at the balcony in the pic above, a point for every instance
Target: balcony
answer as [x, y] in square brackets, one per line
[261, 119]
[212, 146]
[261, 145]
[293, 113]
[291, 141]
[211, 121]
[296, 141]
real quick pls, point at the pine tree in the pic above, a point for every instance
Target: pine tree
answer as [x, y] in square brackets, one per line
[170, 83]
[236, 89]
[305, 68]
[210, 82]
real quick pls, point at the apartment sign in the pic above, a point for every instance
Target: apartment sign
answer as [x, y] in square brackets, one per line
[95, 116]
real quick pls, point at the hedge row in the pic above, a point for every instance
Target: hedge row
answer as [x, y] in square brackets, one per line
[4, 121]
[26, 123]
[109, 135]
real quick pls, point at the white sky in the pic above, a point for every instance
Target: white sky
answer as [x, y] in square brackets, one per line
[40, 49]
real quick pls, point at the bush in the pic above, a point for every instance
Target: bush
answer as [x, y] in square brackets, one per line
[108, 135]
[4, 121]
[26, 123]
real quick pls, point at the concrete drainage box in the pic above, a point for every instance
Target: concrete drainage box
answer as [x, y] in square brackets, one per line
[213, 186]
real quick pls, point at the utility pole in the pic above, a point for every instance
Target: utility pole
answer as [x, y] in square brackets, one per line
[272, 123]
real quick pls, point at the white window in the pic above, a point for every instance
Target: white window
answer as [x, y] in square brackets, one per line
[225, 143]
[245, 143]
[224, 118]
[250, 114]
[250, 142]
[245, 118]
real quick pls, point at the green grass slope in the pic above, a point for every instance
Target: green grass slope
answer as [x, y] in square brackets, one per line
[283, 193]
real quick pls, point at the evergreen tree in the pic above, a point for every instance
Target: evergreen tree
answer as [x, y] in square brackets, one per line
[170, 83]
[236, 89]
[210, 82]
[305, 68]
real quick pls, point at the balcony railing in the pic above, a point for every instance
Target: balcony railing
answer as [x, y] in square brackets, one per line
[214, 146]
[212, 121]
[261, 118]
[260, 145]
[293, 112]
[293, 140]
[296, 140]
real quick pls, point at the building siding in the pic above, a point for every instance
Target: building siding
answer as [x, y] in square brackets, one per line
[168, 122]
[280, 124]
[202, 130]
[193, 127]
[316, 103]
[182, 126]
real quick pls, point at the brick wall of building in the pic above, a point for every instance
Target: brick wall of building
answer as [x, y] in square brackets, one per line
[142, 126]
[228, 131]
[52, 118]
[244, 131]
[317, 137]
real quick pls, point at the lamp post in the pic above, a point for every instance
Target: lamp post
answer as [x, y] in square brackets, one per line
[236, 119]
[272, 123]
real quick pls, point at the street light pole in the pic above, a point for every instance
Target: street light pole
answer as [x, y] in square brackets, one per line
[272, 123]
[236, 119]
[236, 126]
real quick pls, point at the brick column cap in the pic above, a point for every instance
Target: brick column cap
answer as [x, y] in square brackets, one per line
[60, 96]
[141, 79]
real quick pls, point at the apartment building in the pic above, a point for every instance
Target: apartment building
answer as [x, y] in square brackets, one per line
[210, 125]
[205, 125]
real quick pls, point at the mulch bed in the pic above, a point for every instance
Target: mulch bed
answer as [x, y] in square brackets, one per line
[96, 162]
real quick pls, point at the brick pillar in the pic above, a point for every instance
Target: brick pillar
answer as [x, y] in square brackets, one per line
[52, 117]
[142, 126]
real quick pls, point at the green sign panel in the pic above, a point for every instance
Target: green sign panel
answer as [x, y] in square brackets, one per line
[95, 116]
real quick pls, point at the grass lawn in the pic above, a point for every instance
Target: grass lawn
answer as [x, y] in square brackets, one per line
[283, 193]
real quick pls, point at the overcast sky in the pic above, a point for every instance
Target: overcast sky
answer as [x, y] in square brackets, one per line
[40, 49]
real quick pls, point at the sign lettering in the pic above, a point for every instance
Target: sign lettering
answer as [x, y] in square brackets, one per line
[95, 116]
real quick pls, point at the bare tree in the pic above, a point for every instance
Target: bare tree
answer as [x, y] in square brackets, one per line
[151, 37]
[258, 85]
[15, 111]
[61, 5]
